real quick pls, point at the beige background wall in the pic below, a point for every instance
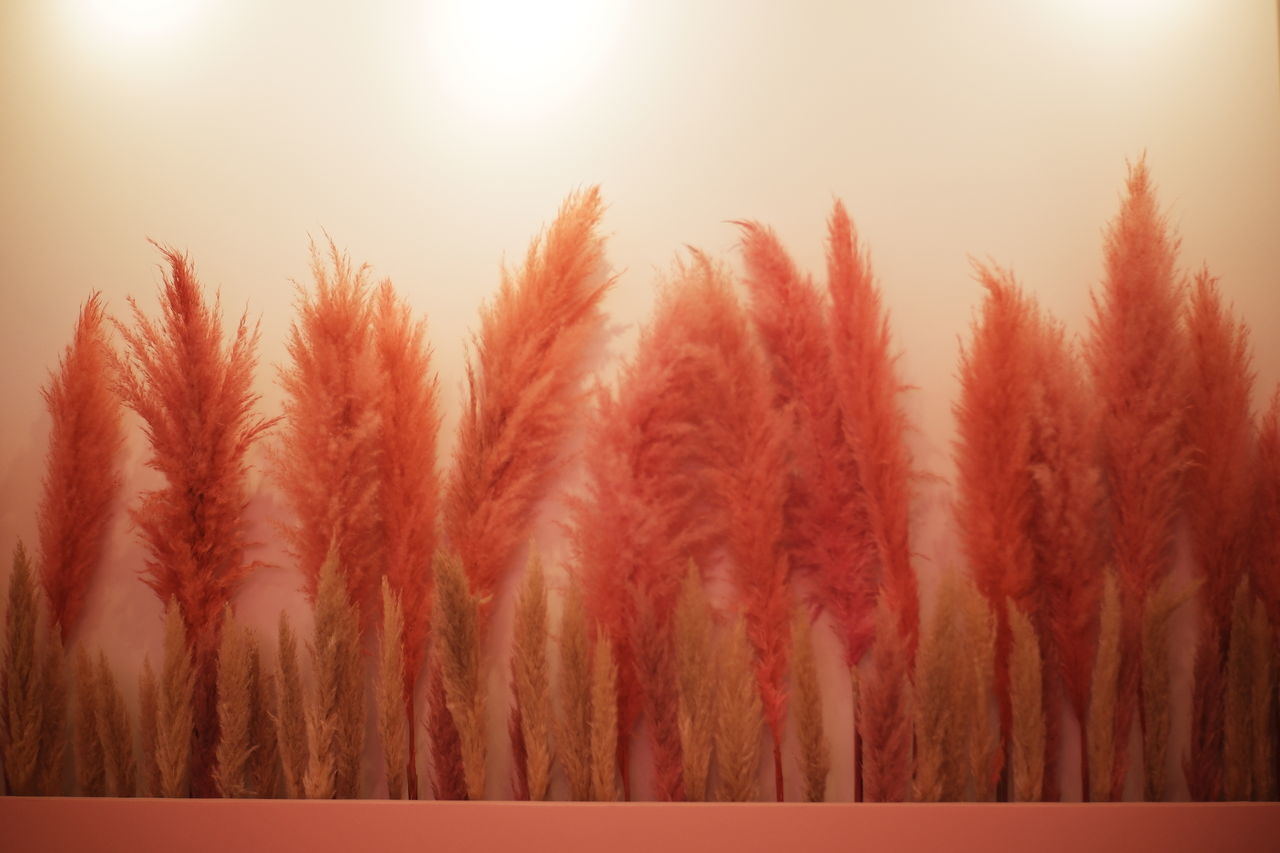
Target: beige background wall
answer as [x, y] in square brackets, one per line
[434, 144]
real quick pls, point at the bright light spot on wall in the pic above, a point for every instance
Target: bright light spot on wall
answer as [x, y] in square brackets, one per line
[514, 57]
[132, 22]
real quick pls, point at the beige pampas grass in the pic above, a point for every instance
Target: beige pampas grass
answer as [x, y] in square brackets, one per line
[391, 718]
[235, 710]
[290, 717]
[91, 771]
[982, 732]
[148, 714]
[21, 691]
[573, 733]
[1102, 698]
[1237, 744]
[815, 751]
[1157, 611]
[739, 718]
[604, 721]
[455, 623]
[695, 672]
[335, 710]
[53, 720]
[265, 763]
[174, 718]
[115, 735]
[1027, 729]
[942, 681]
[531, 681]
[1263, 695]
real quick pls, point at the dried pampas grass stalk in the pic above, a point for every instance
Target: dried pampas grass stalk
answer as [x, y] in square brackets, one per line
[391, 712]
[148, 730]
[457, 632]
[1101, 731]
[886, 714]
[656, 667]
[114, 734]
[695, 670]
[53, 720]
[531, 681]
[20, 682]
[815, 751]
[1237, 741]
[1157, 703]
[264, 764]
[1263, 698]
[604, 721]
[335, 711]
[985, 755]
[739, 718]
[175, 716]
[573, 733]
[1027, 746]
[235, 709]
[90, 762]
[448, 777]
[290, 717]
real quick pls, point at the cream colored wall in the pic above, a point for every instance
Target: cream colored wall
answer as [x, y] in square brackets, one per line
[987, 129]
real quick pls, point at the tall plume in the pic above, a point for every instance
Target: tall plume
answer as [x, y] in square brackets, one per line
[90, 762]
[1138, 357]
[815, 750]
[738, 718]
[175, 713]
[1157, 702]
[82, 476]
[573, 731]
[148, 729]
[531, 681]
[290, 721]
[457, 637]
[604, 722]
[25, 681]
[115, 735]
[193, 390]
[1027, 744]
[390, 690]
[695, 672]
[235, 710]
[885, 713]
[1219, 504]
[941, 708]
[1101, 732]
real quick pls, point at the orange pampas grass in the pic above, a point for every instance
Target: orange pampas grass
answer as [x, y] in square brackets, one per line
[738, 718]
[1027, 729]
[193, 391]
[815, 757]
[290, 720]
[695, 672]
[942, 707]
[1237, 700]
[456, 618]
[983, 752]
[885, 714]
[115, 737]
[1138, 357]
[1219, 493]
[326, 461]
[1263, 698]
[1265, 566]
[174, 715]
[448, 777]
[390, 692]
[21, 682]
[82, 478]
[148, 731]
[523, 393]
[90, 763]
[573, 733]
[410, 421]
[1156, 700]
[531, 684]
[1101, 732]
[235, 710]
[604, 722]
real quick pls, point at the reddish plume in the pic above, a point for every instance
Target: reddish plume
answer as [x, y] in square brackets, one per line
[1265, 565]
[1065, 534]
[82, 467]
[523, 393]
[193, 391]
[993, 458]
[828, 533]
[1137, 354]
[410, 422]
[448, 777]
[875, 425]
[886, 714]
[327, 460]
[1219, 504]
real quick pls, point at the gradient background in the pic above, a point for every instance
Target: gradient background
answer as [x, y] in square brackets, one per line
[433, 140]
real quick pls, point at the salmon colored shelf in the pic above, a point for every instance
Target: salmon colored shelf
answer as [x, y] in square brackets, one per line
[138, 826]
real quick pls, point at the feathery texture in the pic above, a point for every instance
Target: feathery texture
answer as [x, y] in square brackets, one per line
[604, 722]
[391, 689]
[1138, 357]
[1066, 532]
[90, 763]
[148, 730]
[336, 708]
[875, 425]
[993, 459]
[531, 680]
[175, 714]
[193, 391]
[235, 710]
[326, 461]
[1237, 717]
[21, 690]
[82, 467]
[264, 768]
[695, 670]
[456, 618]
[984, 752]
[53, 718]
[1101, 731]
[290, 719]
[573, 732]
[942, 677]
[885, 714]
[1264, 571]
[409, 488]
[1219, 494]
[115, 735]
[448, 776]
[738, 718]
[1158, 611]
[657, 671]
[523, 392]
[815, 751]
[1262, 689]
[1027, 741]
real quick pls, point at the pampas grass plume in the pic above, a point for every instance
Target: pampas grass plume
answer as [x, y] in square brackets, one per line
[739, 718]
[985, 754]
[335, 711]
[815, 751]
[90, 762]
[21, 715]
[885, 715]
[391, 687]
[456, 620]
[1027, 743]
[604, 721]
[573, 733]
[1157, 700]
[1102, 698]
[1238, 729]
[290, 718]
[695, 672]
[942, 677]
[1262, 659]
[115, 736]
[531, 680]
[175, 717]
[148, 729]
[235, 710]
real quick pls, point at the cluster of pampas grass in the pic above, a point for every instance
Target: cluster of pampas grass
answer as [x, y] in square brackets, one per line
[82, 478]
[193, 391]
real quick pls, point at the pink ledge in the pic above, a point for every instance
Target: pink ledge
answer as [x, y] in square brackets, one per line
[137, 826]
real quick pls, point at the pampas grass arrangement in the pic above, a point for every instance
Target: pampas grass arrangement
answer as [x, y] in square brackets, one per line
[82, 477]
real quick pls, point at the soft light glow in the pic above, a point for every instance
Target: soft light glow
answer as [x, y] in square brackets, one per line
[514, 57]
[132, 22]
